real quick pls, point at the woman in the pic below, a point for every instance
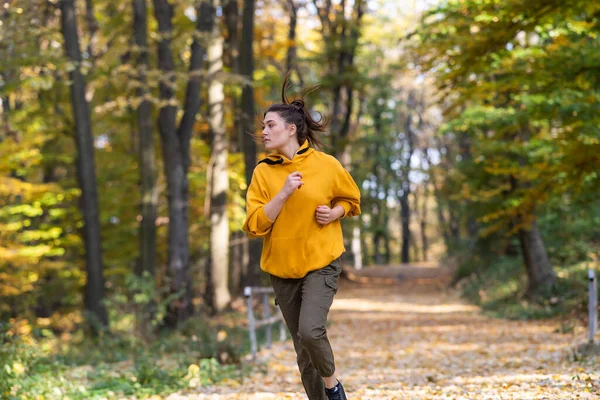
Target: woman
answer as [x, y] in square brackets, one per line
[295, 201]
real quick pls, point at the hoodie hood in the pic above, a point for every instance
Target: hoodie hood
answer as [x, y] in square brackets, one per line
[277, 158]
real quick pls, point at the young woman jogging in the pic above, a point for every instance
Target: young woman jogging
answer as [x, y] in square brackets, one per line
[295, 201]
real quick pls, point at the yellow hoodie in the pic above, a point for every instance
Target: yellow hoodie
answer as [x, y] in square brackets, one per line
[295, 243]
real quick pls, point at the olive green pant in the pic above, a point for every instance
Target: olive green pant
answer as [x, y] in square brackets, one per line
[305, 304]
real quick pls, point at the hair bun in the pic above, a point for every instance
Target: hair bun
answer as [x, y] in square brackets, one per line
[298, 103]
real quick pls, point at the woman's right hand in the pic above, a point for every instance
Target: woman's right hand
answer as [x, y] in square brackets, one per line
[293, 182]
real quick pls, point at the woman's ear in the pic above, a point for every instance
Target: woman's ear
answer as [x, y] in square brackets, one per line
[292, 129]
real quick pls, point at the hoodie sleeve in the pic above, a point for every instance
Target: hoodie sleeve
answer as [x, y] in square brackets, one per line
[346, 193]
[257, 223]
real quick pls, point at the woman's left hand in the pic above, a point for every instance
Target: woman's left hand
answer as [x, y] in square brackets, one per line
[325, 215]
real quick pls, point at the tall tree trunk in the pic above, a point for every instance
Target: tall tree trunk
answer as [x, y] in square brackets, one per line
[423, 222]
[438, 199]
[540, 273]
[6, 130]
[231, 54]
[387, 256]
[92, 26]
[291, 59]
[363, 244]
[341, 34]
[378, 258]
[406, 168]
[236, 261]
[236, 140]
[219, 297]
[86, 173]
[176, 151]
[231, 61]
[405, 220]
[247, 123]
[147, 156]
[539, 270]
[356, 247]
[348, 32]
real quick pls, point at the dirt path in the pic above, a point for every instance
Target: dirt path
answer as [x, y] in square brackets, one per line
[407, 336]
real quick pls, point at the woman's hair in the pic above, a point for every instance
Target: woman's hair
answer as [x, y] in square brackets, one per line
[295, 112]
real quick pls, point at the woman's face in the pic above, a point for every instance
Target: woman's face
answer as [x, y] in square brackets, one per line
[276, 132]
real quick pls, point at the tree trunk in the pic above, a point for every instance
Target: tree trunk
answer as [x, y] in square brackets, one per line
[423, 222]
[231, 61]
[146, 148]
[291, 62]
[231, 55]
[405, 220]
[404, 197]
[86, 173]
[438, 199]
[388, 251]
[92, 25]
[539, 270]
[219, 297]
[236, 139]
[376, 250]
[236, 261]
[341, 63]
[252, 276]
[356, 247]
[176, 152]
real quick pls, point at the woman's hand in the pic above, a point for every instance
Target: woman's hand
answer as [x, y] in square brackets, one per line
[326, 215]
[293, 182]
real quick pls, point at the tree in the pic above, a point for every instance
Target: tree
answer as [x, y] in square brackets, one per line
[175, 141]
[291, 63]
[247, 126]
[149, 190]
[85, 169]
[217, 283]
[514, 78]
[340, 30]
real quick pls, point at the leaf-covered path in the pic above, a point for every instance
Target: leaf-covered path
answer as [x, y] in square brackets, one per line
[413, 338]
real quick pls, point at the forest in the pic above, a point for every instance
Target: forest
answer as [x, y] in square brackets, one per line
[128, 141]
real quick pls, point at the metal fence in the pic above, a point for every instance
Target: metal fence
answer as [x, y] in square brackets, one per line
[268, 318]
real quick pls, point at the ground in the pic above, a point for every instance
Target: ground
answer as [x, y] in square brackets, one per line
[403, 333]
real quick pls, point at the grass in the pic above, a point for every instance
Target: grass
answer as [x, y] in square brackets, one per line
[118, 365]
[499, 288]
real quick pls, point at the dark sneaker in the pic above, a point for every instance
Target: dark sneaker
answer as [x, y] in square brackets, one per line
[336, 392]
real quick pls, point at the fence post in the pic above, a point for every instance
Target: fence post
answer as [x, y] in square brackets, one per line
[267, 315]
[592, 304]
[251, 322]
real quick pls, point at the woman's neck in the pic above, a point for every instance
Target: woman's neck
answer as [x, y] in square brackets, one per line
[289, 149]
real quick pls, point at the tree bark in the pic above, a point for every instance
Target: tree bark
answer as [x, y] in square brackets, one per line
[231, 54]
[438, 199]
[86, 173]
[405, 191]
[176, 152]
[236, 260]
[377, 256]
[340, 62]
[231, 60]
[539, 270]
[292, 52]
[219, 296]
[92, 28]
[247, 123]
[423, 218]
[147, 156]
[405, 218]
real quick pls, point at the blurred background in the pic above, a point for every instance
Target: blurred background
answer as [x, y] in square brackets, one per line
[471, 127]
